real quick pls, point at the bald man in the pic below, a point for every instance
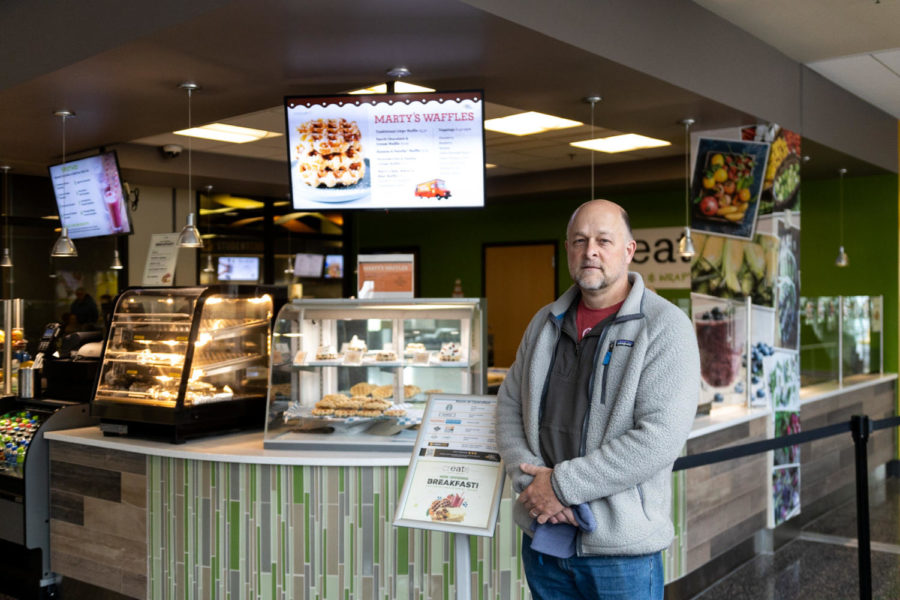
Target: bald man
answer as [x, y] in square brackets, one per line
[592, 414]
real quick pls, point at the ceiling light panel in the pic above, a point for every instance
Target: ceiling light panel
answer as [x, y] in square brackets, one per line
[528, 123]
[222, 132]
[621, 143]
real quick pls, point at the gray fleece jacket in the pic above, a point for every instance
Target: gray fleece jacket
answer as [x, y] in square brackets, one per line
[642, 407]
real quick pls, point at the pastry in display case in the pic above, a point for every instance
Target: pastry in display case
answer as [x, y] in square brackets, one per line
[351, 374]
[184, 362]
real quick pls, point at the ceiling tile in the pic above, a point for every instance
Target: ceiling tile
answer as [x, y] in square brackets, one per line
[890, 59]
[866, 77]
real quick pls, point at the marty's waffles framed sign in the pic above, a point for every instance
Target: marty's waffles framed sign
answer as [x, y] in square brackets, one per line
[455, 475]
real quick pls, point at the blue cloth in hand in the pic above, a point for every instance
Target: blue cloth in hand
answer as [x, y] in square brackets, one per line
[558, 539]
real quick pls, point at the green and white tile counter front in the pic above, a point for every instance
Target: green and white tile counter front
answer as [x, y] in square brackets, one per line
[222, 518]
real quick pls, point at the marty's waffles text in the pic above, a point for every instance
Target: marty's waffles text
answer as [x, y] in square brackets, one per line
[427, 117]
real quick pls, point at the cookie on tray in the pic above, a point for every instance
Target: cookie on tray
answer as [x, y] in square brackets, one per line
[322, 412]
[345, 412]
[369, 413]
[330, 401]
[382, 391]
[394, 412]
[411, 390]
[376, 404]
[362, 388]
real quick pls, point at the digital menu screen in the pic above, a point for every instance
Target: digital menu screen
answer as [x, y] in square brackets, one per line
[334, 266]
[386, 150]
[308, 265]
[238, 268]
[89, 196]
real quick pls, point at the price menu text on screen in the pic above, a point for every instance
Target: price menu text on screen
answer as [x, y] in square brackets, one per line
[89, 196]
[386, 151]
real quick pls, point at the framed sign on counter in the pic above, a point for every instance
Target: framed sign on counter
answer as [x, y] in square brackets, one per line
[161, 260]
[455, 475]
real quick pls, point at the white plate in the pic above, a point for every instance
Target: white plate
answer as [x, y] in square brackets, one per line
[335, 195]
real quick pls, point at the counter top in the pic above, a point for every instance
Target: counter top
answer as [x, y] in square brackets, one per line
[828, 389]
[245, 447]
[723, 417]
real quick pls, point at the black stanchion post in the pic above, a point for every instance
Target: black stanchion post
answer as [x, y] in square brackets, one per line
[861, 426]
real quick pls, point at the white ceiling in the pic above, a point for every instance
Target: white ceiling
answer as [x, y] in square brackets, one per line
[120, 72]
[511, 154]
[854, 43]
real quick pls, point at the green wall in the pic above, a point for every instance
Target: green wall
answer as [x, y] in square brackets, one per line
[450, 241]
[870, 239]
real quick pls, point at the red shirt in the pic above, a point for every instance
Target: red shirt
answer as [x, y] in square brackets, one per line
[586, 318]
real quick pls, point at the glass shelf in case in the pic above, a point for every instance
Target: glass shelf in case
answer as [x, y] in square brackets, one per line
[355, 374]
[180, 362]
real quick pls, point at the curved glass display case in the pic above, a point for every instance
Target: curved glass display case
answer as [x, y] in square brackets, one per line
[357, 373]
[182, 362]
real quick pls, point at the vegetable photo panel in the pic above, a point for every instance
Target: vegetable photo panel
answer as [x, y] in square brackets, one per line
[733, 269]
[726, 185]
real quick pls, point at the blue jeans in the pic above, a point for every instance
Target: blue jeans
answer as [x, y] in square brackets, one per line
[593, 577]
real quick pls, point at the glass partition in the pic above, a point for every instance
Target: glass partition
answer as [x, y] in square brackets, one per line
[840, 337]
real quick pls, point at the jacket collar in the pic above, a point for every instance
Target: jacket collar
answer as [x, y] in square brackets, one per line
[631, 308]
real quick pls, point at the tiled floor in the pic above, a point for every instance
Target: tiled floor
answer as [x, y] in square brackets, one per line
[822, 563]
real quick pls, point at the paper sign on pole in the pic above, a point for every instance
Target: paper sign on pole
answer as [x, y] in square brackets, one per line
[161, 259]
[455, 475]
[386, 276]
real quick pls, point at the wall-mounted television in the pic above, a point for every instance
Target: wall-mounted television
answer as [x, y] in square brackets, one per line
[90, 197]
[334, 266]
[238, 268]
[308, 265]
[386, 150]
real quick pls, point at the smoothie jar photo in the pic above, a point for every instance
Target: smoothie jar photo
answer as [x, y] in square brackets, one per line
[721, 336]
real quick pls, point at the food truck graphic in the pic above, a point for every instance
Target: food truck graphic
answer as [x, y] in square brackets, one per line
[435, 188]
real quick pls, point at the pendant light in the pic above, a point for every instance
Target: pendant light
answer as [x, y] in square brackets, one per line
[6, 261]
[210, 267]
[64, 248]
[190, 237]
[289, 268]
[686, 244]
[117, 262]
[841, 260]
[593, 100]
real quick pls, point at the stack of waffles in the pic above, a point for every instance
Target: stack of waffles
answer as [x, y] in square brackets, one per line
[329, 153]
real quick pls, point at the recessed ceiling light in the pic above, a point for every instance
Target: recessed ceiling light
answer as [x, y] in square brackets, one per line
[490, 166]
[527, 123]
[222, 132]
[51, 217]
[400, 87]
[621, 143]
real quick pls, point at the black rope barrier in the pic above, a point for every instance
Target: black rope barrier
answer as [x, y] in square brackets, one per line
[861, 428]
[886, 423]
[741, 450]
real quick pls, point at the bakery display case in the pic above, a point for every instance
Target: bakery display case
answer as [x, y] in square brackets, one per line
[357, 373]
[183, 362]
